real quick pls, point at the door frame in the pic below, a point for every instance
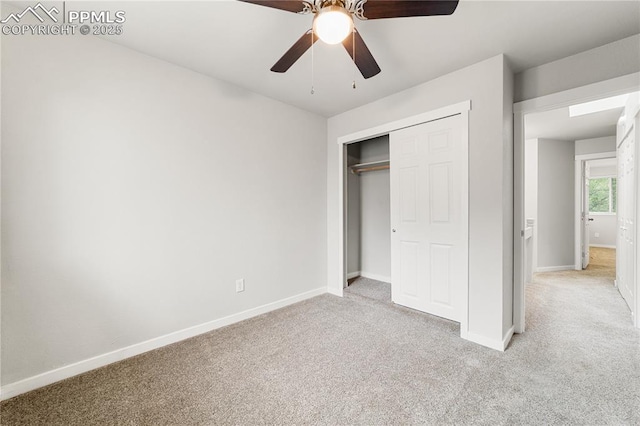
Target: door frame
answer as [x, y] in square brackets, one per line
[620, 137]
[616, 86]
[579, 184]
[462, 109]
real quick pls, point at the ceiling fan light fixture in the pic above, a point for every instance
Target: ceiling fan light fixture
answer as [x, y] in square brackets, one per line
[332, 24]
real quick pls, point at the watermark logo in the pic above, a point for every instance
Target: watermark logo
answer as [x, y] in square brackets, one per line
[16, 17]
[69, 22]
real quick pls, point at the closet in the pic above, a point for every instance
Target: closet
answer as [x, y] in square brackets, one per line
[368, 210]
[407, 215]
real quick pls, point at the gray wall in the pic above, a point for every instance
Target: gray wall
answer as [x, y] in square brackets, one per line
[507, 194]
[612, 60]
[605, 226]
[489, 153]
[555, 203]
[375, 214]
[133, 196]
[595, 145]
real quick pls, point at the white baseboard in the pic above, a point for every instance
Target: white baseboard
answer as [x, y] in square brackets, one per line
[555, 268]
[498, 345]
[377, 277]
[13, 389]
[603, 246]
[353, 275]
[507, 337]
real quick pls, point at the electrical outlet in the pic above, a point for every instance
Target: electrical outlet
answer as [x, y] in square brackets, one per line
[597, 235]
[239, 285]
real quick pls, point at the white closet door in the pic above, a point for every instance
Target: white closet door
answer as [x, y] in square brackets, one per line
[429, 247]
[626, 218]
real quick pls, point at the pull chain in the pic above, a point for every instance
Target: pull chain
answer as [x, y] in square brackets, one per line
[312, 43]
[354, 55]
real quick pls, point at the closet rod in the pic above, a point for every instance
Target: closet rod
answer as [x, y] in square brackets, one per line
[369, 169]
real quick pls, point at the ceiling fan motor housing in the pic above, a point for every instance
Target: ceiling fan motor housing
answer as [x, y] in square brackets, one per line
[332, 24]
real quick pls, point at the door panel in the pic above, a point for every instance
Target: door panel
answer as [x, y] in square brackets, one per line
[626, 223]
[408, 194]
[429, 248]
[441, 274]
[409, 260]
[440, 187]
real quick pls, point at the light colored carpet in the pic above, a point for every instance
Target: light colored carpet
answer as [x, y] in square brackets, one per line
[355, 360]
[372, 289]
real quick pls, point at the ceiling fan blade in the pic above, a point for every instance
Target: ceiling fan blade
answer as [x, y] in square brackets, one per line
[295, 52]
[380, 9]
[288, 5]
[364, 59]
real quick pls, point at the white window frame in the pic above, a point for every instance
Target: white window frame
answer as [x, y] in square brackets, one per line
[610, 212]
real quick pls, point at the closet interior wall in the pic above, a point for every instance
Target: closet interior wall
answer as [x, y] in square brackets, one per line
[369, 212]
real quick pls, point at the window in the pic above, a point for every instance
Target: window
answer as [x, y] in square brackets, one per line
[602, 195]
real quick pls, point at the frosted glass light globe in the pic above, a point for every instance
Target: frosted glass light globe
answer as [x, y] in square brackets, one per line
[332, 24]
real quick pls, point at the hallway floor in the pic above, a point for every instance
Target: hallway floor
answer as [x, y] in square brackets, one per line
[602, 261]
[580, 319]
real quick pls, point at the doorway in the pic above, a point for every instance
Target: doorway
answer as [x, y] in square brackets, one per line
[596, 209]
[368, 206]
[523, 112]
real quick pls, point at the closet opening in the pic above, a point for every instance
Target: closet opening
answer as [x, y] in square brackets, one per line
[407, 233]
[368, 219]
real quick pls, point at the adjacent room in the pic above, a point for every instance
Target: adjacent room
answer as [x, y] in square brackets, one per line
[574, 158]
[319, 212]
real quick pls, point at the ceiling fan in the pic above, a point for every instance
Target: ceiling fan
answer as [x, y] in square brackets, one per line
[333, 24]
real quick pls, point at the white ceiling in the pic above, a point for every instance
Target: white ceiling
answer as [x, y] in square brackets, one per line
[239, 42]
[556, 124]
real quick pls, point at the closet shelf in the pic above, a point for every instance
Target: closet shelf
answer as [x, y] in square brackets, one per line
[372, 166]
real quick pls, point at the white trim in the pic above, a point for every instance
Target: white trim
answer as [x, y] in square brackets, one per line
[341, 281]
[384, 129]
[604, 177]
[519, 222]
[461, 108]
[636, 269]
[602, 213]
[596, 156]
[507, 338]
[377, 277]
[499, 345]
[334, 292]
[13, 389]
[591, 92]
[578, 183]
[342, 221]
[555, 268]
[464, 207]
[603, 246]
[616, 86]
[355, 274]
